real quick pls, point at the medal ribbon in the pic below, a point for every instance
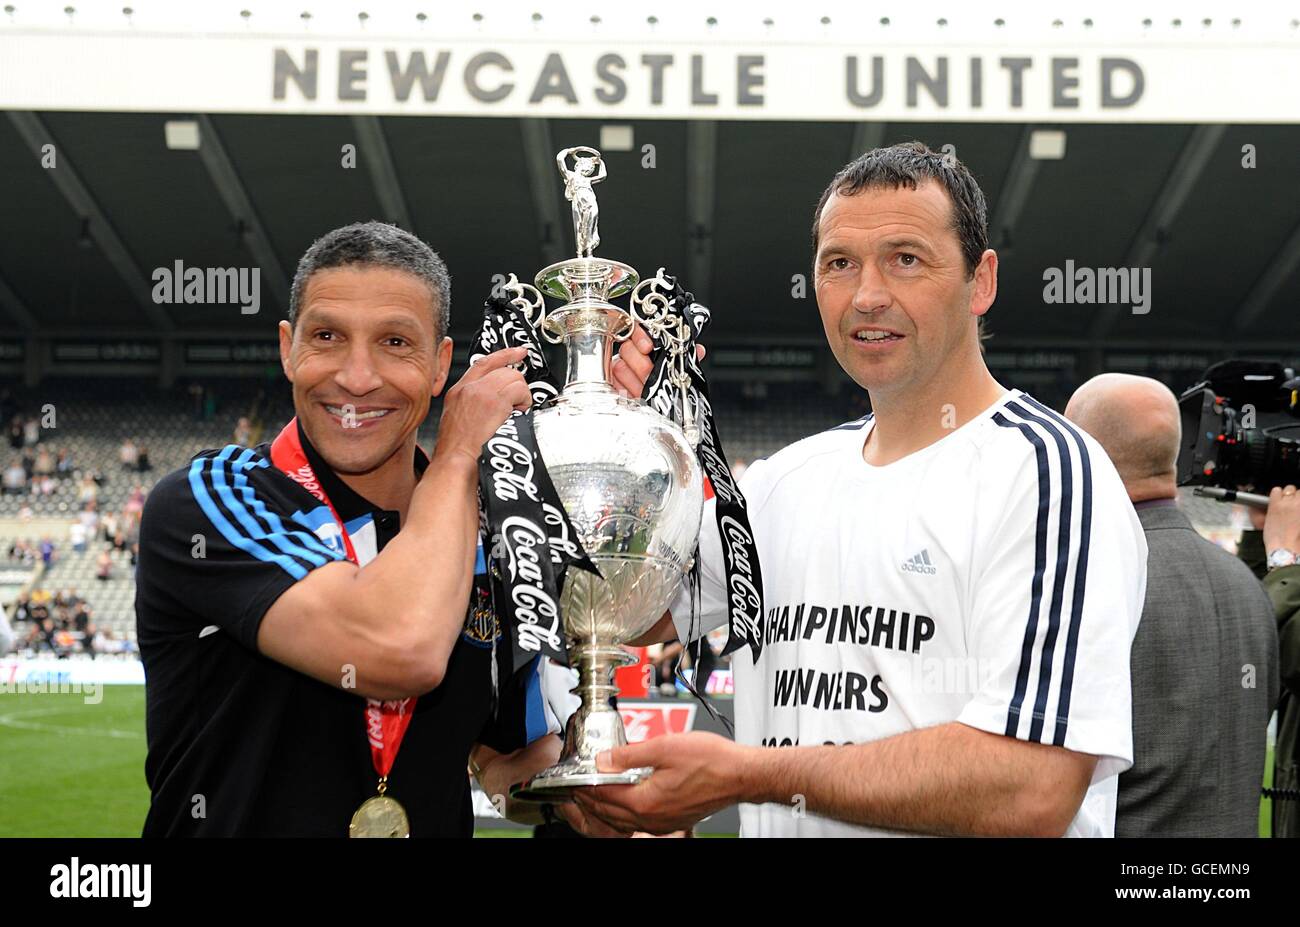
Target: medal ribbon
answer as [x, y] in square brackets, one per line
[386, 721]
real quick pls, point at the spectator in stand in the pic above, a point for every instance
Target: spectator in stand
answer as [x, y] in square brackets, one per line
[64, 642]
[142, 461]
[41, 636]
[77, 535]
[104, 566]
[129, 455]
[196, 401]
[44, 485]
[135, 502]
[131, 528]
[106, 642]
[44, 465]
[64, 465]
[15, 478]
[81, 624]
[31, 431]
[29, 462]
[16, 432]
[62, 615]
[47, 551]
[87, 490]
[663, 657]
[243, 432]
[109, 524]
[90, 518]
[130, 533]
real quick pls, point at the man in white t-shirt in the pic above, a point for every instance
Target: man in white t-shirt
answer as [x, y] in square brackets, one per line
[951, 584]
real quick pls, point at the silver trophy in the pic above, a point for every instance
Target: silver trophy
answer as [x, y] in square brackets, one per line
[627, 476]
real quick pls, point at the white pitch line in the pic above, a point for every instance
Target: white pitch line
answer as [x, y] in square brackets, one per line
[15, 719]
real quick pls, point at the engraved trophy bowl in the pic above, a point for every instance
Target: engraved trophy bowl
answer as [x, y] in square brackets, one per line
[633, 490]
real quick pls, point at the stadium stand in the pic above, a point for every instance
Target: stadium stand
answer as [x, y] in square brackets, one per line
[93, 420]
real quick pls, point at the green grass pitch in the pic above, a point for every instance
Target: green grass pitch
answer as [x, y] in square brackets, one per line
[72, 769]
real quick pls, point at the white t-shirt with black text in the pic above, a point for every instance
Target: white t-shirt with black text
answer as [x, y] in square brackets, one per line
[994, 578]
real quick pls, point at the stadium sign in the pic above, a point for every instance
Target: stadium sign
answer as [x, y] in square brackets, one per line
[646, 720]
[1081, 81]
[121, 351]
[226, 352]
[40, 674]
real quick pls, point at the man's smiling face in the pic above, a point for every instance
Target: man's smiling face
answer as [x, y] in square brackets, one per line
[364, 358]
[895, 297]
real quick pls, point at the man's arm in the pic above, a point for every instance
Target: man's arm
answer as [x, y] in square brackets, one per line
[395, 621]
[497, 772]
[1282, 532]
[663, 632]
[950, 779]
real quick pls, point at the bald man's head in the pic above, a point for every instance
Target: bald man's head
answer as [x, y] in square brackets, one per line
[1136, 420]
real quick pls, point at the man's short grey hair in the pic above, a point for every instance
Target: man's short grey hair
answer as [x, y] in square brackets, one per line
[376, 244]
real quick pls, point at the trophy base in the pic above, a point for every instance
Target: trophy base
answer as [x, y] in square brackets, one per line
[594, 728]
[557, 783]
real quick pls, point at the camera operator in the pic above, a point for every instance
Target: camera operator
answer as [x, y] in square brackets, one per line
[1200, 716]
[1272, 550]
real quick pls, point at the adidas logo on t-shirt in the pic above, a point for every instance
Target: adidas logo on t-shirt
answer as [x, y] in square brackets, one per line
[919, 563]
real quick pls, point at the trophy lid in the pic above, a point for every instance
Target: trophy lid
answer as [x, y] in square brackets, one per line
[587, 278]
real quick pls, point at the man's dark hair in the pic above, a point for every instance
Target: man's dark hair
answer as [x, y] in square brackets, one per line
[907, 165]
[376, 244]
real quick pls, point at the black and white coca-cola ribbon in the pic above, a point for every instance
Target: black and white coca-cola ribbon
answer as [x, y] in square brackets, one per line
[677, 390]
[528, 539]
[510, 319]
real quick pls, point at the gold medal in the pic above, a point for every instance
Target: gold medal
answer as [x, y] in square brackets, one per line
[380, 816]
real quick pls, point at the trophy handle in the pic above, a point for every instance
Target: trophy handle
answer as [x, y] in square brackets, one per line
[530, 303]
[651, 307]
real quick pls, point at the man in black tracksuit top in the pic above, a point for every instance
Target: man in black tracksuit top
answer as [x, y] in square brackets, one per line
[303, 655]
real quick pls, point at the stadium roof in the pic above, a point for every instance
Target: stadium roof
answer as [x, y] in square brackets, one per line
[1213, 210]
[728, 205]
